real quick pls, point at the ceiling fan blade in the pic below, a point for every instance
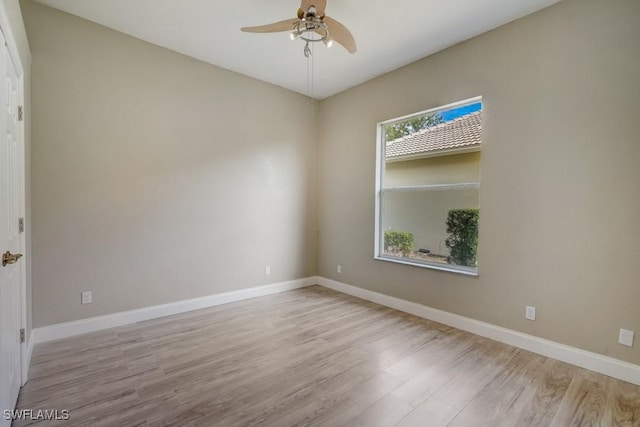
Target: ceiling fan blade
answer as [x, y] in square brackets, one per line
[286, 25]
[340, 34]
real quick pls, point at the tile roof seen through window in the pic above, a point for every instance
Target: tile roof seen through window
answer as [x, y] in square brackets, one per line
[463, 132]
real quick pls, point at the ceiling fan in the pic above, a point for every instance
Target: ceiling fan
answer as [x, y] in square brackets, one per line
[311, 20]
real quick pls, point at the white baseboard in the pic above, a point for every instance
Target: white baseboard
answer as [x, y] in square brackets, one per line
[585, 359]
[78, 327]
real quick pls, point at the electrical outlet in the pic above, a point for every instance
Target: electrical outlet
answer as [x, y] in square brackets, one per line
[267, 271]
[530, 313]
[626, 337]
[86, 297]
[339, 269]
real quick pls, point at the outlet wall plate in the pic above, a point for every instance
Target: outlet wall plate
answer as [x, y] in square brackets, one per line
[86, 297]
[626, 337]
[339, 269]
[530, 313]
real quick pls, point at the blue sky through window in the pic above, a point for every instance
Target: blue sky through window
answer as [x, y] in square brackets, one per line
[460, 111]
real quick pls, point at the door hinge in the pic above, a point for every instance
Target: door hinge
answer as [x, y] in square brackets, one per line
[20, 113]
[21, 225]
[22, 337]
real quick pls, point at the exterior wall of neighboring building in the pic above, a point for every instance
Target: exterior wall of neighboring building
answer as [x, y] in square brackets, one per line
[424, 212]
[449, 169]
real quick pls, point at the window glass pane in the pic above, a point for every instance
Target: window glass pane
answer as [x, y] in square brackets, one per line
[430, 183]
[423, 214]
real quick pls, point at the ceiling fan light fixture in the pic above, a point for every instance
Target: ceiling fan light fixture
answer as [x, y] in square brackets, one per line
[308, 29]
[311, 26]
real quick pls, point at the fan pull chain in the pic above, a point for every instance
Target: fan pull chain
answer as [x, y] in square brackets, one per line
[308, 52]
[312, 72]
[309, 76]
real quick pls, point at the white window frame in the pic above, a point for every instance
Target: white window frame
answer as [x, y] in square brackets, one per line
[380, 168]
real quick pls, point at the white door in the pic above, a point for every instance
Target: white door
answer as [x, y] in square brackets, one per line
[11, 239]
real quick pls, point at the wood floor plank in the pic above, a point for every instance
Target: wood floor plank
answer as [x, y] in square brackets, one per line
[448, 346]
[437, 367]
[496, 403]
[584, 404]
[539, 403]
[623, 406]
[386, 412]
[336, 406]
[432, 412]
[315, 357]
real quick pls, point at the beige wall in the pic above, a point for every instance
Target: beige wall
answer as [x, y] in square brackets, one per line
[157, 177]
[560, 177]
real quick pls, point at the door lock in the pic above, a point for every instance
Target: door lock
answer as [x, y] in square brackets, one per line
[9, 258]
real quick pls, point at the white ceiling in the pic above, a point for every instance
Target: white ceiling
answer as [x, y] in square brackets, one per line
[389, 34]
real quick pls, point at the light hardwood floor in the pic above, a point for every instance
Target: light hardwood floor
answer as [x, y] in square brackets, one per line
[313, 357]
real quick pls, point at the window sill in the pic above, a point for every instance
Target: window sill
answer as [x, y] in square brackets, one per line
[465, 271]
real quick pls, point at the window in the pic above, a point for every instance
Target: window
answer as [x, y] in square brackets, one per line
[427, 189]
